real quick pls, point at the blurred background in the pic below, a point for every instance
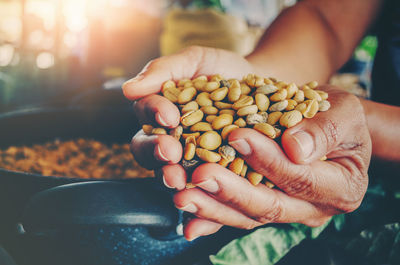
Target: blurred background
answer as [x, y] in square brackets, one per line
[53, 49]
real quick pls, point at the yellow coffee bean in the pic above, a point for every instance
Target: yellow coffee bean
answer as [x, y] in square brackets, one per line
[278, 132]
[201, 127]
[187, 135]
[312, 94]
[244, 170]
[188, 84]
[279, 96]
[227, 130]
[301, 107]
[266, 129]
[223, 105]
[234, 92]
[223, 162]
[299, 96]
[167, 85]
[192, 117]
[291, 104]
[219, 94]
[199, 84]
[245, 89]
[182, 82]
[291, 90]
[172, 94]
[210, 118]
[279, 106]
[245, 101]
[268, 81]
[227, 111]
[312, 108]
[191, 139]
[191, 106]
[209, 110]
[269, 184]
[190, 151]
[267, 89]
[203, 99]
[236, 166]
[244, 111]
[312, 84]
[290, 118]
[210, 140]
[281, 84]
[274, 117]
[240, 122]
[324, 105]
[147, 128]
[221, 121]
[216, 78]
[176, 132]
[208, 156]
[323, 94]
[158, 131]
[187, 95]
[254, 80]
[254, 177]
[262, 102]
[200, 77]
[211, 86]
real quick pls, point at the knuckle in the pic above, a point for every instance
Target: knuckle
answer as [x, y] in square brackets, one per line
[302, 185]
[251, 225]
[330, 132]
[270, 214]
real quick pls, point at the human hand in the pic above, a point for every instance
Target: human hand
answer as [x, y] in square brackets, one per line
[154, 151]
[310, 190]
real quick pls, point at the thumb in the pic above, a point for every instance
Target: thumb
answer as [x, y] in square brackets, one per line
[156, 72]
[314, 138]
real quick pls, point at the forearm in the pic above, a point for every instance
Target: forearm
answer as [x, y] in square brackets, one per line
[384, 127]
[311, 40]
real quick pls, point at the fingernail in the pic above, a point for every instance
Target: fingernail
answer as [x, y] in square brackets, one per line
[191, 208]
[209, 185]
[159, 155]
[160, 120]
[242, 146]
[305, 142]
[165, 183]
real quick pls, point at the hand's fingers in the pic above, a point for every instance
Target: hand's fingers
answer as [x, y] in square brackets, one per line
[314, 138]
[155, 150]
[320, 182]
[157, 110]
[174, 176]
[262, 204]
[200, 227]
[189, 63]
[199, 203]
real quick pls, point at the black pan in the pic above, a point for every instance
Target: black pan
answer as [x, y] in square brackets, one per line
[53, 220]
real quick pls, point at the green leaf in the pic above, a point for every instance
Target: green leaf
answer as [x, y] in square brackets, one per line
[265, 246]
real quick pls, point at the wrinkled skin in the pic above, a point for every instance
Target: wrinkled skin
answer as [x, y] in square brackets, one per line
[311, 190]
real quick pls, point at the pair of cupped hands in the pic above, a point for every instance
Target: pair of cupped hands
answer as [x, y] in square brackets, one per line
[310, 190]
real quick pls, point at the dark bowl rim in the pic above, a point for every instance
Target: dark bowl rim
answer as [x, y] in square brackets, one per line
[38, 110]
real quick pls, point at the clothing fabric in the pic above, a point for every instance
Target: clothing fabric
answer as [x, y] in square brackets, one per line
[386, 71]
